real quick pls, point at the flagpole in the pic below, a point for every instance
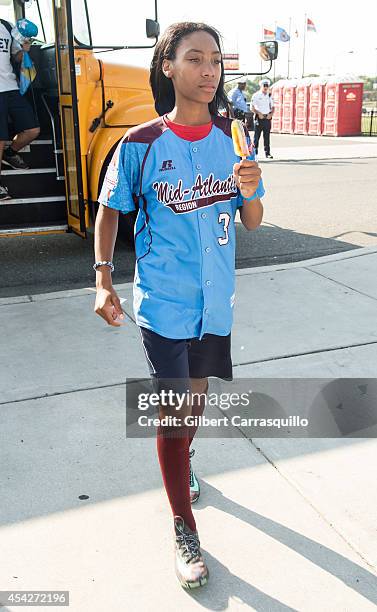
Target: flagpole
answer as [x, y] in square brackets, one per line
[289, 44]
[261, 62]
[275, 60]
[303, 54]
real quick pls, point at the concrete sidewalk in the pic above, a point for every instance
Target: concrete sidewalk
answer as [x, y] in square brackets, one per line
[283, 522]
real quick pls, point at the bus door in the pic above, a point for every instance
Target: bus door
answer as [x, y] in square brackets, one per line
[69, 116]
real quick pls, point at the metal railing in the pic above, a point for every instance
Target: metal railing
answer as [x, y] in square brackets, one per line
[369, 123]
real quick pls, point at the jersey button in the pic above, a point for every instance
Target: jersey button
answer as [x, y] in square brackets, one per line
[206, 311]
[208, 250]
[204, 215]
[208, 283]
[194, 149]
[198, 166]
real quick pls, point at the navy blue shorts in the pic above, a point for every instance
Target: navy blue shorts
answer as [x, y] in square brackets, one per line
[173, 362]
[19, 110]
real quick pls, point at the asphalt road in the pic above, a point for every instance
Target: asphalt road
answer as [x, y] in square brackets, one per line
[312, 208]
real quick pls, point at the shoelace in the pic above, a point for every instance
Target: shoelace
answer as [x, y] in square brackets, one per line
[16, 157]
[189, 545]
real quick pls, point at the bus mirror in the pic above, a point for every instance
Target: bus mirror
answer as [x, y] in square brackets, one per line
[268, 50]
[152, 28]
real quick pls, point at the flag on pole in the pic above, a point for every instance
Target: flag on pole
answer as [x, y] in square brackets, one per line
[310, 26]
[27, 73]
[282, 35]
[268, 34]
[296, 33]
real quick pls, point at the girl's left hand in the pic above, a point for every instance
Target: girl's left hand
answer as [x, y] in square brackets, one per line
[247, 175]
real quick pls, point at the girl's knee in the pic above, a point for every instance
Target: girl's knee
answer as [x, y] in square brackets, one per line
[176, 412]
[33, 133]
[199, 385]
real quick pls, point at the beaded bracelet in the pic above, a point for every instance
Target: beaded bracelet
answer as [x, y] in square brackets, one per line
[253, 197]
[104, 263]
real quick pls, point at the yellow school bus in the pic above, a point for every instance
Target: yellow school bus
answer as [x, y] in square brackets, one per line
[85, 98]
[85, 103]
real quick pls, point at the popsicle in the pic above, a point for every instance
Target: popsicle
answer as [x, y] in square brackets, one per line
[239, 139]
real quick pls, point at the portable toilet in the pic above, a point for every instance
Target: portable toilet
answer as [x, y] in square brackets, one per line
[289, 101]
[277, 96]
[316, 106]
[343, 107]
[302, 106]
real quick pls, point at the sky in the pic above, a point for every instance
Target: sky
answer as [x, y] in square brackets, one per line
[340, 31]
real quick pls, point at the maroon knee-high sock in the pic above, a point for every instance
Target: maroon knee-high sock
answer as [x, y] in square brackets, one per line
[173, 455]
[197, 410]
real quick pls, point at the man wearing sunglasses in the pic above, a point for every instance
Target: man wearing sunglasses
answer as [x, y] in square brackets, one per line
[263, 106]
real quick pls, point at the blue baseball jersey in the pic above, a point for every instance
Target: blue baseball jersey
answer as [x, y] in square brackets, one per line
[185, 239]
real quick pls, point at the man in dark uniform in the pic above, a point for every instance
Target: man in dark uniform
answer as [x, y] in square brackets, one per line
[263, 107]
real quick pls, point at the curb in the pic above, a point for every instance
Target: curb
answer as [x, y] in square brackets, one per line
[316, 261]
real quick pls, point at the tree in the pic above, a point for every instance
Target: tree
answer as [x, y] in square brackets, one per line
[368, 82]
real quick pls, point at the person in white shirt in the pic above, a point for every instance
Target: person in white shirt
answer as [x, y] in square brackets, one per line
[263, 107]
[13, 104]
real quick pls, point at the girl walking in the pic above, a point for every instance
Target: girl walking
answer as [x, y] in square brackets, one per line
[181, 173]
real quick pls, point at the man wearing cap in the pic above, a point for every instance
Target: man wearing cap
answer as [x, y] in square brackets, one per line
[12, 103]
[263, 107]
[238, 101]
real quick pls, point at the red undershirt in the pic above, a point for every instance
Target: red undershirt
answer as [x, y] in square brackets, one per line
[189, 132]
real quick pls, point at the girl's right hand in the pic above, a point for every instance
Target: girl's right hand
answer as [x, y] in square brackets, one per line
[108, 306]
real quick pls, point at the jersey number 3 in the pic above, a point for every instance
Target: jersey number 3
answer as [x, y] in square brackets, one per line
[224, 218]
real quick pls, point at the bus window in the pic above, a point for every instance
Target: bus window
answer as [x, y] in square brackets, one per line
[6, 11]
[46, 26]
[81, 28]
[117, 27]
